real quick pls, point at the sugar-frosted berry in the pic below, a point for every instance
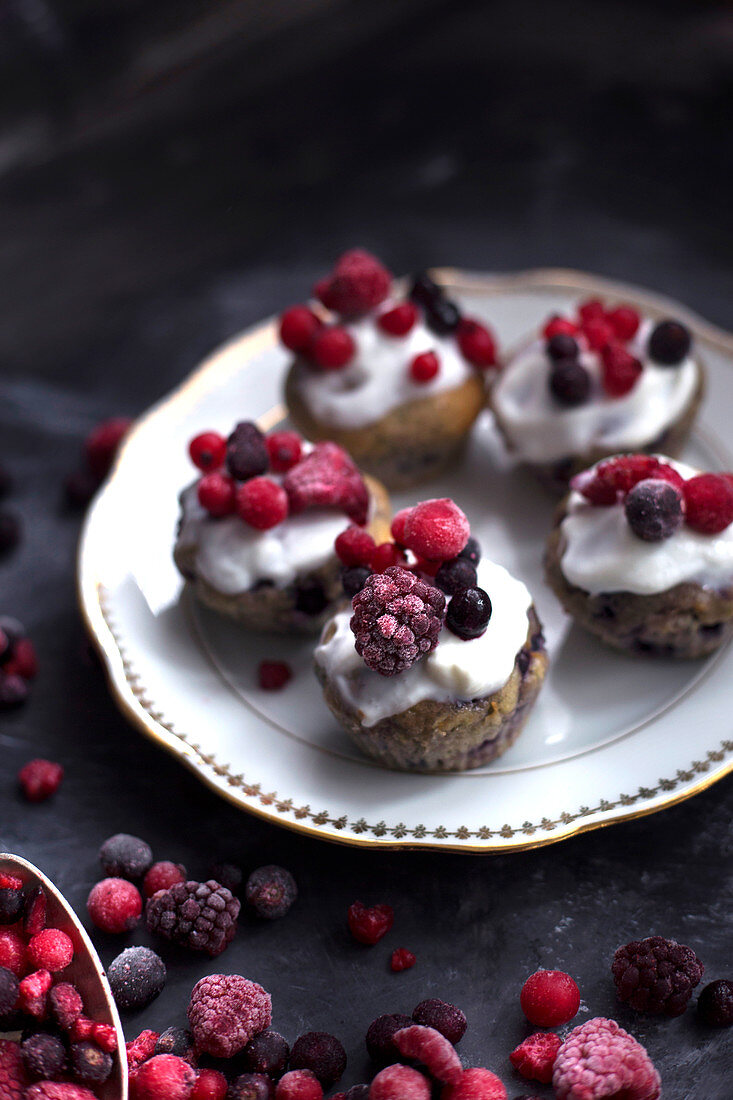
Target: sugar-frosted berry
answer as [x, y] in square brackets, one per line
[669, 343]
[298, 328]
[380, 1036]
[90, 1064]
[125, 856]
[164, 1076]
[11, 904]
[270, 891]
[199, 915]
[137, 977]
[455, 574]
[424, 367]
[569, 383]
[261, 503]
[323, 1054]
[446, 1018]
[708, 503]
[549, 998]
[599, 1059]
[397, 619]
[436, 529]
[114, 905]
[612, 479]
[620, 370]
[656, 975]
[399, 320]
[328, 478]
[33, 993]
[333, 348]
[226, 1011]
[535, 1057]
[428, 1046]
[399, 1082]
[715, 1004]
[50, 950]
[13, 952]
[39, 779]
[654, 510]
[299, 1084]
[285, 450]
[476, 344]
[246, 452]
[357, 284]
[368, 924]
[215, 493]
[469, 612]
[268, 1053]
[476, 1084]
[354, 546]
[208, 451]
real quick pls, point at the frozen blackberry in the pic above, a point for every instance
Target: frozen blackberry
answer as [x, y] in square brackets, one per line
[91, 1065]
[715, 1004]
[11, 901]
[125, 856]
[471, 551]
[353, 578]
[247, 452]
[199, 915]
[175, 1040]
[654, 509]
[669, 343]
[267, 1053]
[8, 991]
[443, 1017]
[251, 1086]
[656, 975]
[380, 1037]
[397, 619]
[44, 1056]
[569, 382]
[322, 1054]
[137, 976]
[270, 891]
[454, 575]
[469, 612]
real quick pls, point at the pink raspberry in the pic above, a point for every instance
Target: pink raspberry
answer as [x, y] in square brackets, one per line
[436, 529]
[535, 1057]
[226, 1011]
[549, 998]
[13, 1079]
[261, 503]
[399, 1083]
[50, 950]
[114, 905]
[358, 283]
[140, 1049]
[475, 1084]
[428, 1046]
[397, 620]
[210, 1085]
[66, 1004]
[601, 1061]
[54, 1090]
[164, 1077]
[299, 1084]
[328, 478]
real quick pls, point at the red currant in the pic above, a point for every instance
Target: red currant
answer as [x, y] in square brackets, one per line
[298, 328]
[399, 320]
[624, 321]
[333, 349]
[284, 449]
[208, 451]
[476, 344]
[216, 494]
[424, 367]
[558, 325]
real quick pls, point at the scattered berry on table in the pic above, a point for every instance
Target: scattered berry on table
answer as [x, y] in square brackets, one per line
[33, 993]
[477, 344]
[137, 976]
[50, 950]
[251, 1086]
[569, 383]
[333, 348]
[397, 619]
[273, 675]
[669, 343]
[322, 1054]
[65, 1004]
[386, 555]
[469, 612]
[210, 1085]
[401, 959]
[354, 546]
[399, 320]
[114, 905]
[369, 924]
[13, 952]
[299, 1084]
[39, 779]
[424, 367]
[475, 1084]
[535, 1057]
[199, 915]
[562, 346]
[399, 1082]
[285, 450]
[428, 1046]
[708, 503]
[226, 1011]
[216, 494]
[270, 891]
[8, 991]
[139, 1050]
[598, 1059]
[162, 876]
[446, 1018]
[261, 503]
[268, 1053]
[208, 451]
[654, 509]
[327, 478]
[125, 856]
[91, 1065]
[102, 444]
[178, 1041]
[380, 1036]
[436, 529]
[656, 975]
[298, 328]
[549, 998]
[357, 284]
[164, 1076]
[354, 578]
[43, 1055]
[455, 574]
[624, 321]
[246, 454]
[715, 1003]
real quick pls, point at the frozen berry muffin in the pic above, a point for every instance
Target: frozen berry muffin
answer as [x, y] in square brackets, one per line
[641, 555]
[601, 382]
[397, 381]
[256, 534]
[439, 660]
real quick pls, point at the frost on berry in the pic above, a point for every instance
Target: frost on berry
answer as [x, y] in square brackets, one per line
[655, 975]
[226, 1011]
[327, 478]
[535, 1057]
[428, 1046]
[397, 619]
[399, 1083]
[475, 1084]
[600, 1060]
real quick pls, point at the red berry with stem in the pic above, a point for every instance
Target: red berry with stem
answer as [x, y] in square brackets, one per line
[262, 503]
[333, 349]
[369, 924]
[355, 546]
[424, 367]
[549, 998]
[39, 779]
[114, 905]
[215, 493]
[285, 449]
[477, 344]
[207, 451]
[274, 675]
[559, 326]
[621, 370]
[399, 320]
[298, 329]
[709, 503]
[624, 321]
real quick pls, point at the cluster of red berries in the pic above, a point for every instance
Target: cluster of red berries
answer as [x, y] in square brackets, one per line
[657, 499]
[18, 663]
[62, 1052]
[100, 450]
[358, 285]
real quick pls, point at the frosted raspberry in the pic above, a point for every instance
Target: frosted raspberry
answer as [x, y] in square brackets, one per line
[611, 480]
[621, 370]
[65, 1004]
[601, 1061]
[114, 905]
[56, 1090]
[164, 1077]
[328, 478]
[358, 283]
[354, 546]
[13, 1079]
[709, 503]
[299, 1084]
[399, 1083]
[436, 529]
[535, 1057]
[549, 998]
[397, 619]
[226, 1011]
[428, 1046]
[50, 950]
[656, 975]
[261, 503]
[475, 1084]
[140, 1049]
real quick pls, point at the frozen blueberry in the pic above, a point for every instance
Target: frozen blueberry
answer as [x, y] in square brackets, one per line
[250, 1086]
[446, 1018]
[11, 901]
[669, 343]
[469, 612]
[43, 1056]
[247, 452]
[91, 1064]
[654, 509]
[267, 1053]
[562, 346]
[380, 1036]
[715, 1003]
[322, 1054]
[270, 892]
[136, 976]
[442, 316]
[175, 1040]
[8, 991]
[471, 551]
[354, 578]
[424, 291]
[125, 856]
[569, 382]
[454, 575]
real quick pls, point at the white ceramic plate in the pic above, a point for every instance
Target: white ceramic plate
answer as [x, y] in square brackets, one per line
[611, 737]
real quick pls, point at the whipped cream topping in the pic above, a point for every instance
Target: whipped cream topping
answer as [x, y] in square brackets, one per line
[455, 670]
[541, 430]
[602, 554]
[378, 377]
[233, 557]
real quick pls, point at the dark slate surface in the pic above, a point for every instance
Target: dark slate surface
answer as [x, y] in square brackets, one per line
[492, 136]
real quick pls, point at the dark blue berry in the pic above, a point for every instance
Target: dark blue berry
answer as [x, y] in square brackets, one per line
[247, 452]
[270, 891]
[569, 382]
[8, 991]
[442, 316]
[175, 1040]
[454, 575]
[250, 1086]
[562, 346]
[11, 904]
[471, 551]
[91, 1065]
[125, 856]
[43, 1056]
[322, 1054]
[654, 509]
[310, 598]
[669, 343]
[469, 612]
[267, 1053]
[424, 291]
[353, 578]
[136, 976]
[715, 1003]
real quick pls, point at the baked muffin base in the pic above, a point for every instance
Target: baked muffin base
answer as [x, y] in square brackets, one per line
[436, 736]
[280, 610]
[686, 621]
[411, 444]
